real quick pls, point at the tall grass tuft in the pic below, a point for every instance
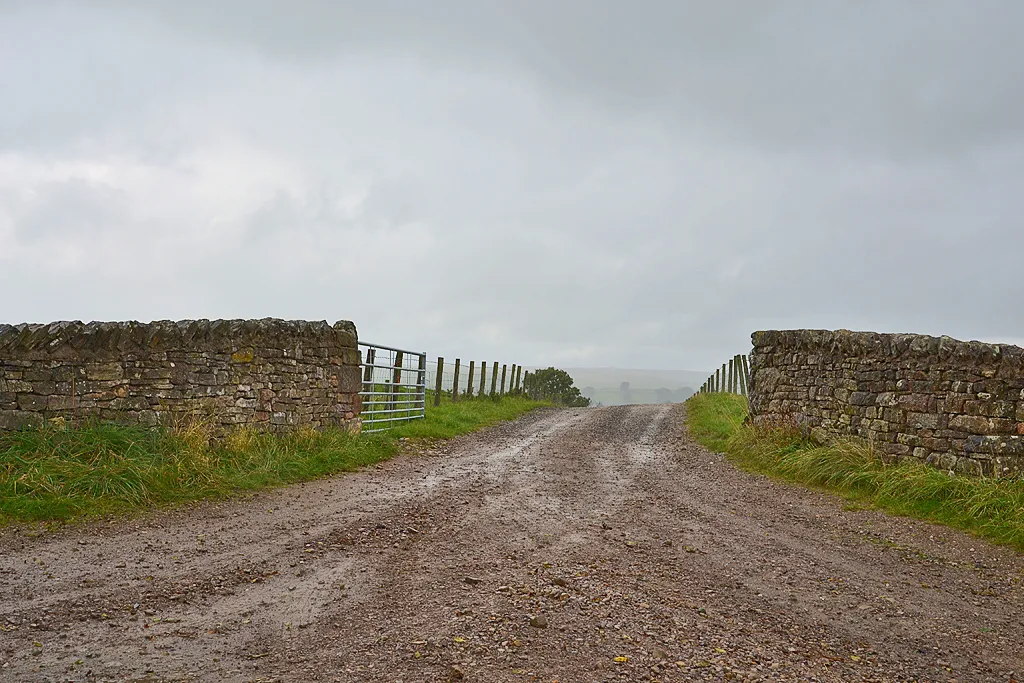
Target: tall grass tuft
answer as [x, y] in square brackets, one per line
[992, 508]
[57, 473]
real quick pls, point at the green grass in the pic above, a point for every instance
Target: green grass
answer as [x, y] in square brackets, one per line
[714, 418]
[57, 474]
[991, 508]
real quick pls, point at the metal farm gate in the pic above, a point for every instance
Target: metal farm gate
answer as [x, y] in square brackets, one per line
[394, 386]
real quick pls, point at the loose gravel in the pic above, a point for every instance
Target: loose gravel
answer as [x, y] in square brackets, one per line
[571, 545]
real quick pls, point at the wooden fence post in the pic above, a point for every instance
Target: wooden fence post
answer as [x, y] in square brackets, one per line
[718, 380]
[469, 384]
[421, 383]
[742, 375]
[512, 379]
[483, 378]
[732, 375]
[396, 380]
[519, 377]
[526, 381]
[746, 374]
[455, 384]
[494, 379]
[371, 355]
[370, 402]
[437, 381]
[504, 369]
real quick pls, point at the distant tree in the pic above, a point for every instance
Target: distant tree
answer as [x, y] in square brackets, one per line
[625, 394]
[589, 392]
[555, 385]
[663, 395]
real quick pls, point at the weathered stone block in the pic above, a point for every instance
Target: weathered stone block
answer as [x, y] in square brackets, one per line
[923, 420]
[862, 398]
[908, 439]
[57, 402]
[31, 402]
[896, 449]
[936, 443]
[243, 356]
[973, 424]
[1002, 426]
[918, 403]
[16, 386]
[945, 461]
[19, 419]
[104, 371]
[969, 467]
[133, 403]
[887, 399]
[894, 416]
[952, 403]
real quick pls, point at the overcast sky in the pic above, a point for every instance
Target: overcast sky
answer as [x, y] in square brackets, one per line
[553, 182]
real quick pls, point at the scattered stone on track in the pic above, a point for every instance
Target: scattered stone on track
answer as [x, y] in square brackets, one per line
[571, 545]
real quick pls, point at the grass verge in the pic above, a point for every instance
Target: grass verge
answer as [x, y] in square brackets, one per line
[56, 474]
[991, 508]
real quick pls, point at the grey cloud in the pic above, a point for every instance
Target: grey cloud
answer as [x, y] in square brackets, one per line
[599, 183]
[876, 78]
[58, 208]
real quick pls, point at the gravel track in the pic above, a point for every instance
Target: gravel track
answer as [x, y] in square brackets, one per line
[636, 554]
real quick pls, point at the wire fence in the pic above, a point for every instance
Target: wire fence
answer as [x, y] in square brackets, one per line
[457, 379]
[732, 378]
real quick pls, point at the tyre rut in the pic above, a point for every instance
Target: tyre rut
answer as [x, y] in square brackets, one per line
[637, 554]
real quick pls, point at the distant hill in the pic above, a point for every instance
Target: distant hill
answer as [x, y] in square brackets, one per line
[604, 385]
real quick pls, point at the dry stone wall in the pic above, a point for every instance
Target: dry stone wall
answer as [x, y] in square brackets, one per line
[269, 373]
[956, 405]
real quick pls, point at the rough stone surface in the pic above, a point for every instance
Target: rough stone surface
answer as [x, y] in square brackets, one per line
[268, 373]
[956, 405]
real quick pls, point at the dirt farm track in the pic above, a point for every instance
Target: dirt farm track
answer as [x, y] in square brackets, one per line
[571, 545]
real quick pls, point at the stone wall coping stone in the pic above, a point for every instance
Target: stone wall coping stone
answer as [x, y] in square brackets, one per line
[75, 339]
[890, 345]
